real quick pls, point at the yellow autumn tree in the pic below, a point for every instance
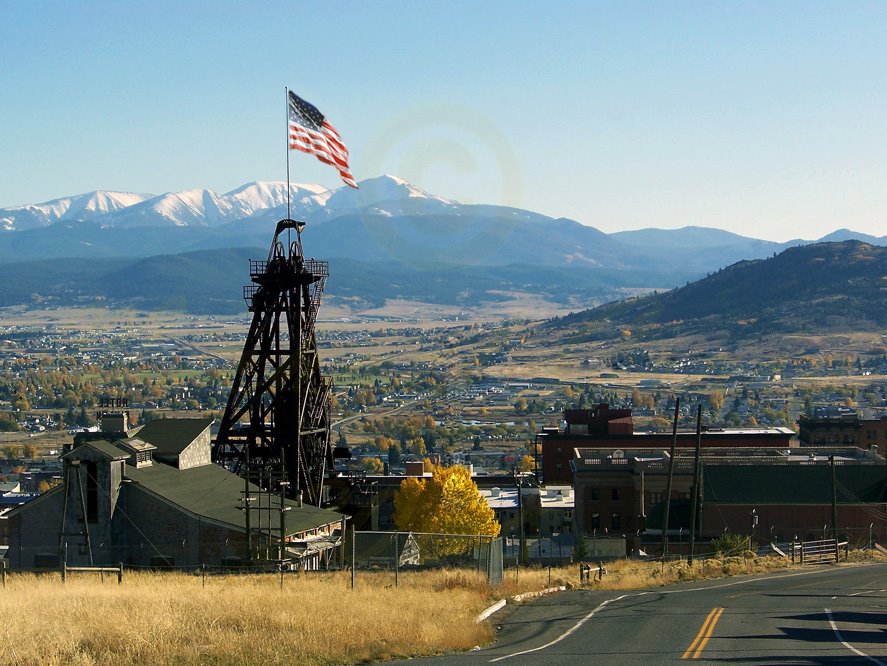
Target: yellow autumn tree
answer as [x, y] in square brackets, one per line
[448, 502]
[373, 465]
[527, 464]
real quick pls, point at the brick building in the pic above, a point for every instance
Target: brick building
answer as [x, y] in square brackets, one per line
[152, 497]
[789, 491]
[613, 429]
[843, 427]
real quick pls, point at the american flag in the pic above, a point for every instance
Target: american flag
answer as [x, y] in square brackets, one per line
[311, 133]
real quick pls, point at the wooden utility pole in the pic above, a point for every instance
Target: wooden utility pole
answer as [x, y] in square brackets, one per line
[520, 513]
[674, 443]
[694, 495]
[831, 459]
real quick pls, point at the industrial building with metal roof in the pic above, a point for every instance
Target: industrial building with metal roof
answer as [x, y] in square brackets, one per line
[153, 497]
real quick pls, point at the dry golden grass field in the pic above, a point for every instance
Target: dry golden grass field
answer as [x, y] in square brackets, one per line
[172, 619]
[313, 619]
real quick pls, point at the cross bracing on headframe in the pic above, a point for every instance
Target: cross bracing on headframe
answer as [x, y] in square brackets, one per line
[275, 431]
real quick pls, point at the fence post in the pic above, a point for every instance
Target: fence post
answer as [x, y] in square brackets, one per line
[396, 561]
[4, 574]
[64, 571]
[120, 573]
[203, 573]
[353, 555]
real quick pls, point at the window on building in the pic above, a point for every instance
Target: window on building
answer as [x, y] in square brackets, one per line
[616, 521]
[615, 493]
[656, 498]
[595, 494]
[595, 521]
[683, 496]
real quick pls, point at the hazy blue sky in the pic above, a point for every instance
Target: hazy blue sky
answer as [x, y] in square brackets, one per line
[764, 118]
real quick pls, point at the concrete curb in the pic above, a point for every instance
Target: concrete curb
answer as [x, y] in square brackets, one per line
[541, 593]
[499, 605]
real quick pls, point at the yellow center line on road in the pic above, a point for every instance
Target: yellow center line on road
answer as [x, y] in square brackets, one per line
[704, 634]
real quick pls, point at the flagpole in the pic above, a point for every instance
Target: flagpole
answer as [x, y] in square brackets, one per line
[286, 99]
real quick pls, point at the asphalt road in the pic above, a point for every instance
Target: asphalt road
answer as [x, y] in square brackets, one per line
[832, 615]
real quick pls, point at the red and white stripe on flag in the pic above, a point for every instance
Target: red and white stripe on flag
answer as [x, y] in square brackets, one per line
[326, 145]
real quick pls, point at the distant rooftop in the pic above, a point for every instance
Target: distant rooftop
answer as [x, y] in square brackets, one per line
[594, 458]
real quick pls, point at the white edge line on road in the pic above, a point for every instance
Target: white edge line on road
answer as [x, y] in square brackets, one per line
[856, 594]
[847, 645]
[570, 630]
[603, 604]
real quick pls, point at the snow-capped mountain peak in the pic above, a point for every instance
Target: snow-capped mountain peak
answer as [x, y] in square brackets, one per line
[385, 195]
[77, 208]
[259, 195]
[254, 201]
[198, 206]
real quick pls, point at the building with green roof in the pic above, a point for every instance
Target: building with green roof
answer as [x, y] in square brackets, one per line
[152, 497]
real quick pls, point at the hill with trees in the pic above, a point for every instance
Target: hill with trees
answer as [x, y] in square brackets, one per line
[813, 288]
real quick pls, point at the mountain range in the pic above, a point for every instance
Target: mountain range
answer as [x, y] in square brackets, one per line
[386, 240]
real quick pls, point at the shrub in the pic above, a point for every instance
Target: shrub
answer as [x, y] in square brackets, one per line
[730, 544]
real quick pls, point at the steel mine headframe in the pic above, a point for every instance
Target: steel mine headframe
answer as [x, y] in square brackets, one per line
[276, 424]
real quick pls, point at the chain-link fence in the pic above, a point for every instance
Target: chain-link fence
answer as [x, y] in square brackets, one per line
[400, 551]
[323, 555]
